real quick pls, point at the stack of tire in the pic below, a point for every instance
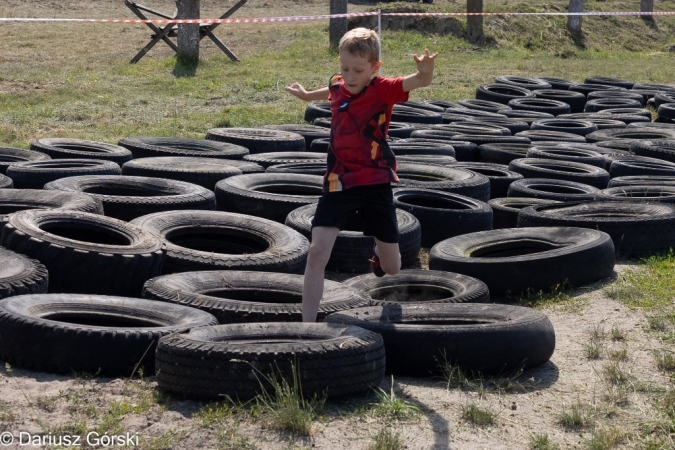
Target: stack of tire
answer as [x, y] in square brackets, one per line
[185, 255]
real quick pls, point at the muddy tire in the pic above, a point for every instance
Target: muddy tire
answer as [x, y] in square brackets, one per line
[151, 146]
[204, 172]
[550, 189]
[13, 200]
[9, 155]
[446, 179]
[35, 174]
[505, 210]
[259, 140]
[561, 170]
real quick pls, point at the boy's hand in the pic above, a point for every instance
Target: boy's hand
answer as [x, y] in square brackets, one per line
[297, 90]
[425, 64]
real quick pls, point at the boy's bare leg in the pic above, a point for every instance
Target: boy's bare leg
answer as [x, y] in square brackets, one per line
[323, 239]
[390, 257]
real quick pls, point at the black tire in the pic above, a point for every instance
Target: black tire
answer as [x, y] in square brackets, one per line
[415, 115]
[650, 134]
[92, 334]
[476, 113]
[241, 296]
[446, 179]
[152, 146]
[502, 93]
[583, 156]
[642, 180]
[659, 149]
[575, 100]
[6, 182]
[616, 144]
[664, 97]
[617, 94]
[13, 200]
[275, 158]
[309, 132]
[513, 125]
[86, 253]
[637, 229]
[204, 172]
[601, 121]
[586, 88]
[434, 160]
[9, 155]
[526, 116]
[502, 153]
[505, 210]
[554, 107]
[317, 110]
[481, 105]
[400, 130]
[470, 127]
[35, 174]
[405, 148]
[443, 215]
[641, 194]
[268, 195]
[423, 105]
[324, 122]
[628, 118]
[550, 136]
[20, 275]
[352, 250]
[499, 175]
[550, 189]
[557, 83]
[628, 111]
[580, 127]
[417, 287]
[239, 360]
[523, 82]
[601, 104]
[259, 140]
[481, 140]
[213, 240]
[306, 168]
[626, 84]
[62, 148]
[641, 166]
[561, 170]
[420, 339]
[126, 197]
[516, 260]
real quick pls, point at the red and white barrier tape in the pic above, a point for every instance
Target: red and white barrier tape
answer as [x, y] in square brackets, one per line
[335, 16]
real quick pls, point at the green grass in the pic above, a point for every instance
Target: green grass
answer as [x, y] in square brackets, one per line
[578, 417]
[478, 416]
[649, 285]
[542, 442]
[390, 405]
[386, 439]
[605, 439]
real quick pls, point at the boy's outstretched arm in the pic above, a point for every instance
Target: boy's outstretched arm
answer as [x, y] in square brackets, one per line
[425, 72]
[300, 92]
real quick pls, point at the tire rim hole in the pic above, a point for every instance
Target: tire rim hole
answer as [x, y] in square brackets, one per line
[84, 233]
[557, 189]
[101, 320]
[438, 203]
[225, 242]
[290, 189]
[410, 293]
[519, 247]
[256, 295]
[126, 191]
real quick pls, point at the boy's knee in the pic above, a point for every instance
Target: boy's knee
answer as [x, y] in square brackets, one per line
[391, 267]
[318, 254]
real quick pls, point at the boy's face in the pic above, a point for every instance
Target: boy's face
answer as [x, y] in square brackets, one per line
[357, 71]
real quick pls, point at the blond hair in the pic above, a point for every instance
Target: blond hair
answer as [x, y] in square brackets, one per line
[361, 42]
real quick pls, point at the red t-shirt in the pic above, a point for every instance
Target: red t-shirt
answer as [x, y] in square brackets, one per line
[358, 153]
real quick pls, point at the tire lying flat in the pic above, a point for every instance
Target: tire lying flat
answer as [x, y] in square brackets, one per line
[420, 286]
[637, 229]
[240, 296]
[505, 210]
[237, 360]
[94, 334]
[126, 197]
[478, 338]
[13, 200]
[204, 172]
[84, 252]
[20, 275]
[512, 261]
[65, 148]
[153, 146]
[212, 240]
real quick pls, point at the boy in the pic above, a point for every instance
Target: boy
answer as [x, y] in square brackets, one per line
[361, 165]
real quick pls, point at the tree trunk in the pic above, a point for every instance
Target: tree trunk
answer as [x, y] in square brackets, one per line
[337, 27]
[188, 34]
[574, 22]
[647, 6]
[474, 24]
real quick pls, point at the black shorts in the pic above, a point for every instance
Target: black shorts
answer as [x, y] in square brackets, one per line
[374, 204]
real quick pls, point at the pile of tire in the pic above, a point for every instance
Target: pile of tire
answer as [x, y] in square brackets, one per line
[185, 255]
